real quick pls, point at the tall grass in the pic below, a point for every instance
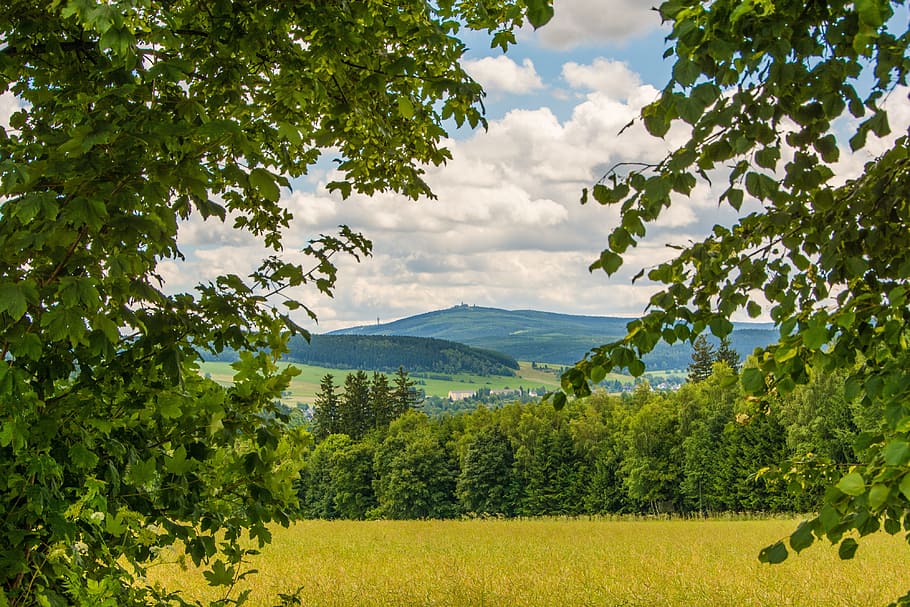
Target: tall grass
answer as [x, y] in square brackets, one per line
[561, 563]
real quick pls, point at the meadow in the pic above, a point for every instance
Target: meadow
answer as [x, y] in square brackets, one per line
[305, 386]
[559, 563]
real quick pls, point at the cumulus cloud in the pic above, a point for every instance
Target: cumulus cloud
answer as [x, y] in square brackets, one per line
[592, 22]
[8, 106]
[613, 78]
[507, 229]
[502, 75]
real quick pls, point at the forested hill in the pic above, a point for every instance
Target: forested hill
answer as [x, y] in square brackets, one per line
[387, 353]
[546, 336]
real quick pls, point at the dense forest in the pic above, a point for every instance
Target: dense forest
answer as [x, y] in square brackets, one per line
[694, 451]
[388, 352]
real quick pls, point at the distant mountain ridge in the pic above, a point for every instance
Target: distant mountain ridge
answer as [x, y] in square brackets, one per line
[547, 336]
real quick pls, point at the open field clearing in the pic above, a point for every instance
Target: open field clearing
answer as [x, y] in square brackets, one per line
[305, 386]
[561, 563]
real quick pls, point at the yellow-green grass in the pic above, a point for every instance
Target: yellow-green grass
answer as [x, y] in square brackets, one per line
[305, 386]
[560, 563]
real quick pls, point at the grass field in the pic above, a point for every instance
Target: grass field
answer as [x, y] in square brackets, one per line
[561, 563]
[305, 386]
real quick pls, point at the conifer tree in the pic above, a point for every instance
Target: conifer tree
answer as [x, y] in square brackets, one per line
[404, 397]
[380, 410]
[326, 413]
[726, 354]
[355, 405]
[703, 357]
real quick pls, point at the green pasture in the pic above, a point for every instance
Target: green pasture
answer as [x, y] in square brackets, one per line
[558, 563]
[305, 386]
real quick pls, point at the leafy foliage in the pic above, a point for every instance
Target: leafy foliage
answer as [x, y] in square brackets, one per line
[703, 449]
[136, 115]
[770, 94]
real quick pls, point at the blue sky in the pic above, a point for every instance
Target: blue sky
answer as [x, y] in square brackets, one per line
[507, 229]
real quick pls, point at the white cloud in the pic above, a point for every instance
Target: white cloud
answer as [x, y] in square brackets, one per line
[502, 75]
[591, 22]
[613, 78]
[8, 106]
[507, 229]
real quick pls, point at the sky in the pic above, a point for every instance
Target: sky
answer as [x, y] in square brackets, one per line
[507, 229]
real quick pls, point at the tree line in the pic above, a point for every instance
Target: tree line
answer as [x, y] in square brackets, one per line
[388, 352]
[695, 451]
[365, 404]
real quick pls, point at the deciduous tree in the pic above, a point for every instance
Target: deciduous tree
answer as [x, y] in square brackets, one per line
[772, 95]
[135, 116]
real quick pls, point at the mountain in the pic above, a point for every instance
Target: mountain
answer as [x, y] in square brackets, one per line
[546, 336]
[388, 352]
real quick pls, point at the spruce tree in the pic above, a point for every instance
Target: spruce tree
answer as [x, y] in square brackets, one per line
[326, 413]
[703, 357]
[726, 354]
[355, 405]
[381, 410]
[405, 396]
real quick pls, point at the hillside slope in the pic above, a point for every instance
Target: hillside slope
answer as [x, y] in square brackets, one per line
[387, 353]
[546, 336]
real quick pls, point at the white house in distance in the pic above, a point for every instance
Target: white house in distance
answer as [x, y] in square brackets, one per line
[461, 394]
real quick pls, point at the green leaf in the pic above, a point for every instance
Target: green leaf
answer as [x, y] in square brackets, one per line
[720, 327]
[753, 381]
[802, 538]
[169, 406]
[28, 347]
[655, 120]
[82, 458]
[344, 187]
[753, 309]
[896, 452]
[869, 13]
[610, 262]
[142, 473]
[559, 400]
[852, 484]
[219, 575]
[264, 181]
[878, 495]
[606, 195]
[829, 518]
[815, 336]
[13, 301]
[177, 463]
[904, 486]
[847, 549]
[405, 107]
[773, 554]
[539, 12]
